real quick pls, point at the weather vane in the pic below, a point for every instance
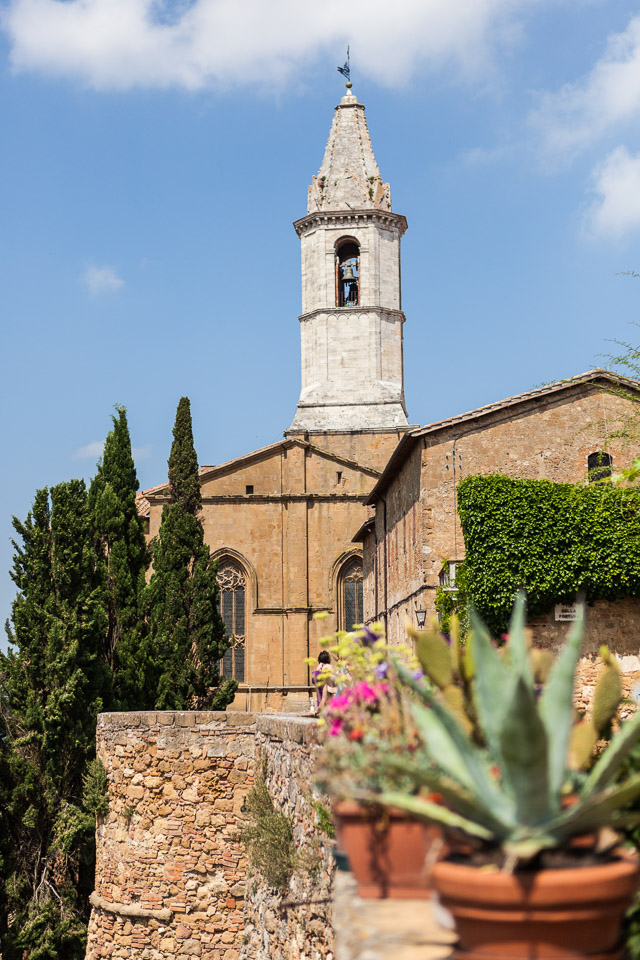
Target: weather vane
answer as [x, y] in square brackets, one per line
[346, 69]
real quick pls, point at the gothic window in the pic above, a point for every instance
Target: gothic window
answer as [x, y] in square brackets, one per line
[599, 466]
[347, 273]
[350, 610]
[232, 581]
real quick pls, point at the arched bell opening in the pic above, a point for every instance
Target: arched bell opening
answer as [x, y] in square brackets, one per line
[347, 273]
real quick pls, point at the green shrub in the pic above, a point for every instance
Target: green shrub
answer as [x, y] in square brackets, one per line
[268, 836]
[95, 796]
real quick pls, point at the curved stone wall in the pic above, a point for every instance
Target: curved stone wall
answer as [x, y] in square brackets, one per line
[171, 875]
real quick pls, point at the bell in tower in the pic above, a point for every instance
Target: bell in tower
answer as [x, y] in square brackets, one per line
[348, 272]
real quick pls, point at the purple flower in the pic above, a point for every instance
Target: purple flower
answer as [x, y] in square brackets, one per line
[418, 675]
[381, 670]
[368, 637]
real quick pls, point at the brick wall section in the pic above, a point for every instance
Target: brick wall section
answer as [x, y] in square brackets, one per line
[171, 877]
[297, 926]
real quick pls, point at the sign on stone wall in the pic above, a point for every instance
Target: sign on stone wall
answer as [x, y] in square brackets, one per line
[568, 611]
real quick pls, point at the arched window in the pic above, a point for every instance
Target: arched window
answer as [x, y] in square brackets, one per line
[347, 273]
[350, 611]
[599, 466]
[232, 581]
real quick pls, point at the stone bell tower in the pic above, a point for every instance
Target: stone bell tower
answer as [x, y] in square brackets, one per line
[351, 322]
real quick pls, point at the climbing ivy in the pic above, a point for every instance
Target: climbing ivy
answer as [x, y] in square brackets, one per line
[553, 539]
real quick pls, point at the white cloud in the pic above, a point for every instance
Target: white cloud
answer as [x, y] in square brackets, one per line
[579, 114]
[141, 453]
[92, 451]
[100, 280]
[95, 449]
[118, 44]
[616, 181]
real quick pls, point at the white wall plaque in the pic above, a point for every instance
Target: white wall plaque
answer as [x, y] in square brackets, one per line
[568, 611]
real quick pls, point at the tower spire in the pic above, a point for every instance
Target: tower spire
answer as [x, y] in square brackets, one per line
[351, 322]
[349, 177]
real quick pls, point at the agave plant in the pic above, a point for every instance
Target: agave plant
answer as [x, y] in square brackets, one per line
[512, 792]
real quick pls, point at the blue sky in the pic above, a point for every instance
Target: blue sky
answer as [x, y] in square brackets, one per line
[154, 154]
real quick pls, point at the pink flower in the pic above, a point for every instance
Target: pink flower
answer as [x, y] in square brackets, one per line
[340, 701]
[336, 727]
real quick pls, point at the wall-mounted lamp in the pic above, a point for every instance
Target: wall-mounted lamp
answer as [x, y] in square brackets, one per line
[421, 616]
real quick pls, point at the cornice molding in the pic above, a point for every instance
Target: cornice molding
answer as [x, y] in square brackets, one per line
[272, 498]
[329, 218]
[345, 312]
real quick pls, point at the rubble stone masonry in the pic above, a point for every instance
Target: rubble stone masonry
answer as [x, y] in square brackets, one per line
[171, 873]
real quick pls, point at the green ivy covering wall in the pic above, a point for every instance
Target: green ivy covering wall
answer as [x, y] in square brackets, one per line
[555, 539]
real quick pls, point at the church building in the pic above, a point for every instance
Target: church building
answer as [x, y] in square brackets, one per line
[287, 523]
[280, 520]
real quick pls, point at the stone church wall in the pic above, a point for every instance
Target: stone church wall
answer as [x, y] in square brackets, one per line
[171, 873]
[546, 437]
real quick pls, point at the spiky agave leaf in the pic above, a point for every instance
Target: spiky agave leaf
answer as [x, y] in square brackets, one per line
[556, 706]
[525, 758]
[492, 674]
[455, 796]
[592, 812]
[428, 810]
[451, 749]
[610, 761]
[518, 643]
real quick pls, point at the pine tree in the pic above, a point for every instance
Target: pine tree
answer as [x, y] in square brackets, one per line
[52, 685]
[182, 598]
[122, 550]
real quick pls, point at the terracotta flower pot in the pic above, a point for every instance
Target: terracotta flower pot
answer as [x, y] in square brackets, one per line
[538, 915]
[388, 852]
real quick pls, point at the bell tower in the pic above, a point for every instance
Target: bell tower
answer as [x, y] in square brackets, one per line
[351, 322]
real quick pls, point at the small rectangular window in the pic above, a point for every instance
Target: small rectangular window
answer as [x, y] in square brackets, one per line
[447, 576]
[249, 489]
[339, 476]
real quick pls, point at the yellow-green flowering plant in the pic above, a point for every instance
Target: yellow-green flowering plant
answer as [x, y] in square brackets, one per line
[367, 715]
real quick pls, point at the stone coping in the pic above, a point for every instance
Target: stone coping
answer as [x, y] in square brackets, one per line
[177, 718]
[281, 726]
[285, 727]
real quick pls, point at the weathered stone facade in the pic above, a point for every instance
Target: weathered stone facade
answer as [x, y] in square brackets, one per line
[614, 624]
[547, 433]
[291, 537]
[171, 873]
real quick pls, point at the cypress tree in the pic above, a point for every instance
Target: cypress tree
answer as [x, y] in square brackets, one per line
[52, 685]
[123, 554]
[187, 636]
